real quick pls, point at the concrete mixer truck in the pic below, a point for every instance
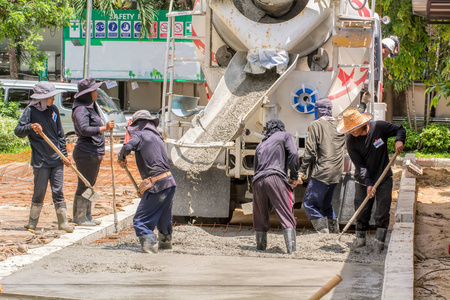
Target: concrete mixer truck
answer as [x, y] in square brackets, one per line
[263, 59]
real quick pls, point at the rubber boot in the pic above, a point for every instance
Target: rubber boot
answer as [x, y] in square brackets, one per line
[80, 207]
[165, 241]
[149, 243]
[360, 239]
[61, 215]
[89, 215]
[380, 237]
[320, 225]
[261, 240]
[35, 212]
[289, 238]
[333, 225]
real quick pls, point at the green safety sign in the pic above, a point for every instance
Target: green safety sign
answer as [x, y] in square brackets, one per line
[125, 25]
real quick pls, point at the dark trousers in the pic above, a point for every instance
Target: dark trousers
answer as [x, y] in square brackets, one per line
[88, 164]
[317, 200]
[383, 198]
[154, 210]
[41, 178]
[269, 192]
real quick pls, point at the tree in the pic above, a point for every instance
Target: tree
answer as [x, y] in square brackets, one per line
[146, 9]
[20, 24]
[424, 52]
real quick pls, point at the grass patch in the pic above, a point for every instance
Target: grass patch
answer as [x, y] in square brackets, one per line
[19, 155]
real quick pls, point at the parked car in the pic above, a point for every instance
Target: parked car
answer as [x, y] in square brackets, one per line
[21, 90]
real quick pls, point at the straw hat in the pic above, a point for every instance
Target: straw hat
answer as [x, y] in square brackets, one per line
[352, 119]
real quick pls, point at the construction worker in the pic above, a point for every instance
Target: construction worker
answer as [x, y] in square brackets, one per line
[42, 116]
[367, 147]
[271, 187]
[324, 154]
[158, 185]
[90, 148]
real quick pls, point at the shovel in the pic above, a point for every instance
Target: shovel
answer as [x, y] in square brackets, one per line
[89, 194]
[368, 196]
[131, 179]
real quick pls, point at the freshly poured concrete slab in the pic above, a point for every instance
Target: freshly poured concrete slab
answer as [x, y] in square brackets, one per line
[81, 235]
[129, 274]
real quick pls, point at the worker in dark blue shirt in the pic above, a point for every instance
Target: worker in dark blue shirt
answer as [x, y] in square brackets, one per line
[158, 185]
[367, 147]
[273, 186]
[42, 116]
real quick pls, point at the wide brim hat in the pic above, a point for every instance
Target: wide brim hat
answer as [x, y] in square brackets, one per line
[87, 85]
[44, 90]
[352, 119]
[144, 115]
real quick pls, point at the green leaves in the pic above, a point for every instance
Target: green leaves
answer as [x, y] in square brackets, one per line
[435, 138]
[21, 22]
[9, 142]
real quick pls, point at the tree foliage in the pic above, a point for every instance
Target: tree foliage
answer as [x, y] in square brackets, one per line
[20, 23]
[425, 49]
[146, 9]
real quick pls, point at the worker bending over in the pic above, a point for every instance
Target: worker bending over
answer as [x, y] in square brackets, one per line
[271, 187]
[42, 116]
[158, 185]
[367, 147]
[324, 154]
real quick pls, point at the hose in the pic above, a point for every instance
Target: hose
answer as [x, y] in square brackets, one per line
[355, 7]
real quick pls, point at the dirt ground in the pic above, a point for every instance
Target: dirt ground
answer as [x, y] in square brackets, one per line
[16, 185]
[432, 239]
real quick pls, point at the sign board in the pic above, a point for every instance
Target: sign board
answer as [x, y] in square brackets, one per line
[117, 52]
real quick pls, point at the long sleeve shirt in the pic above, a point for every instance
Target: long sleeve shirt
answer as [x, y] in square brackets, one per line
[87, 128]
[151, 157]
[275, 156]
[42, 155]
[324, 151]
[369, 152]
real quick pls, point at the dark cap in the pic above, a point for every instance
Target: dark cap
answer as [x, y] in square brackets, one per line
[87, 85]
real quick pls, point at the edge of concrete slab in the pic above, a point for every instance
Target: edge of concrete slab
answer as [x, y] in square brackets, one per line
[82, 235]
[398, 282]
[425, 162]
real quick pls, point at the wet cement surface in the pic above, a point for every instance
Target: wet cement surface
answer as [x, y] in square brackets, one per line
[113, 272]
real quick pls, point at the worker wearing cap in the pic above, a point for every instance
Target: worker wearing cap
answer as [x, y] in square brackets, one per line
[390, 46]
[158, 185]
[90, 148]
[274, 156]
[324, 154]
[367, 147]
[42, 116]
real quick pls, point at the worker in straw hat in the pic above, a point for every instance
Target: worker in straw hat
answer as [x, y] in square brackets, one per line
[42, 116]
[158, 186]
[367, 147]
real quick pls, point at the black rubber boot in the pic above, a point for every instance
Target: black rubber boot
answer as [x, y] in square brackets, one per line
[333, 225]
[89, 215]
[380, 238]
[165, 241]
[261, 240]
[80, 206]
[320, 225]
[35, 212]
[149, 243]
[61, 215]
[289, 238]
[360, 239]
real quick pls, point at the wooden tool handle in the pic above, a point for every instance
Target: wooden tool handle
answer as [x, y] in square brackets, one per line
[50, 143]
[111, 142]
[131, 178]
[326, 288]
[380, 179]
